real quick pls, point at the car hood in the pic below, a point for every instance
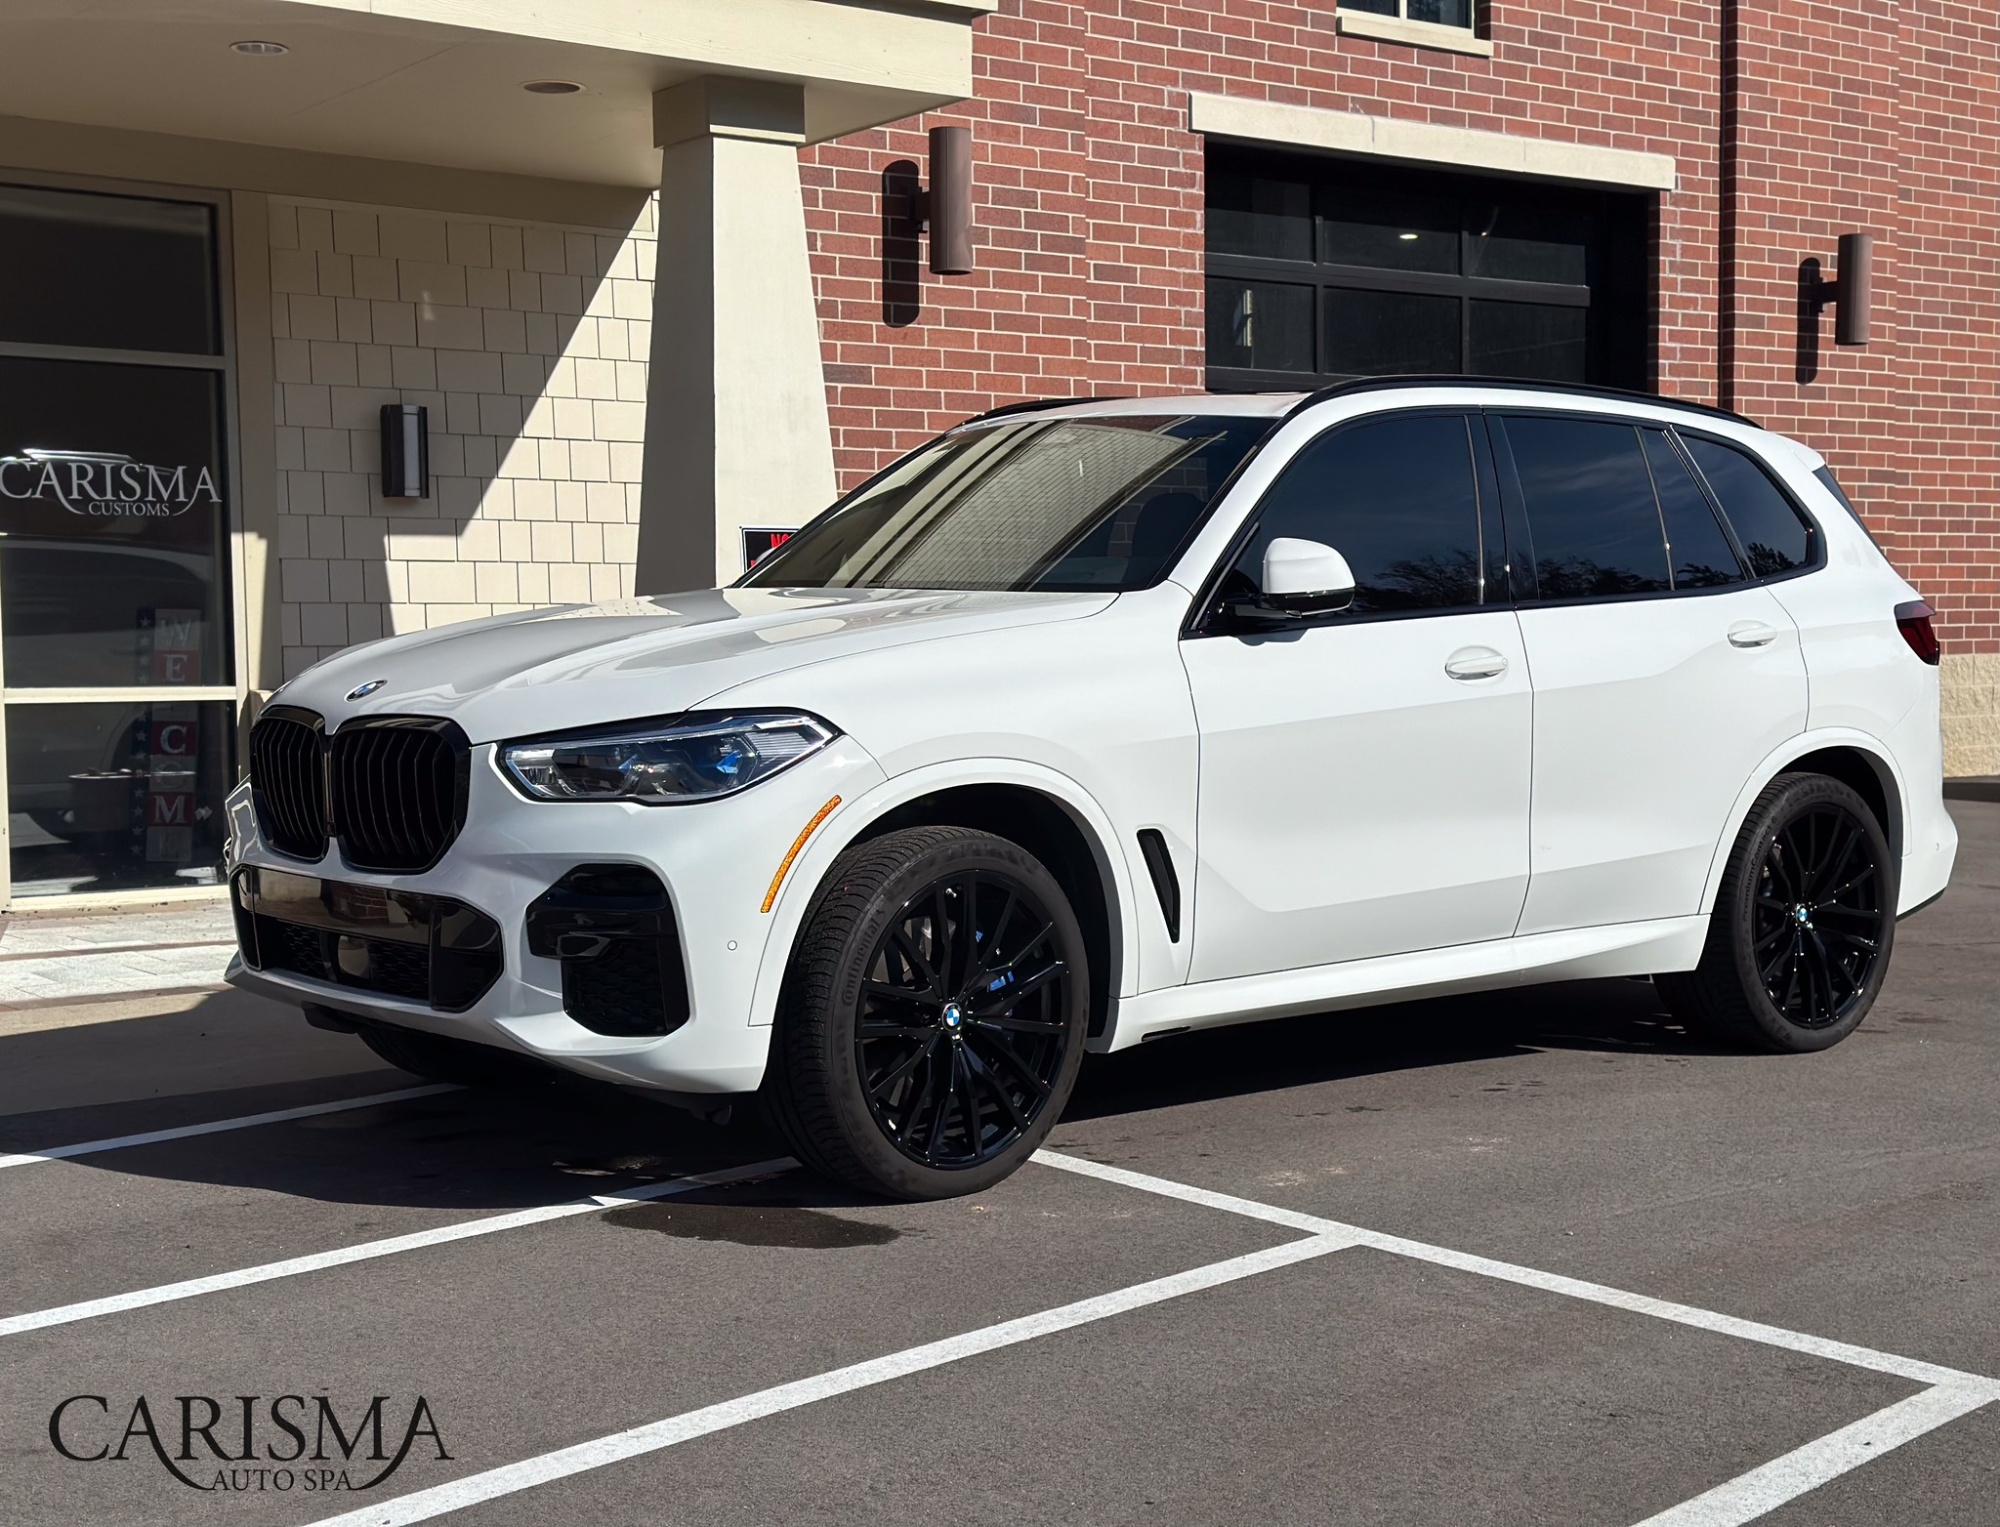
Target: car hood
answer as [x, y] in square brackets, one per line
[541, 670]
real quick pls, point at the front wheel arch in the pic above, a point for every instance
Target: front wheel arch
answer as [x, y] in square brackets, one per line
[1046, 827]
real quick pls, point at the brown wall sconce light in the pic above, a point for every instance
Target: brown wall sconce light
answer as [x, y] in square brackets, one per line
[910, 209]
[945, 207]
[1849, 291]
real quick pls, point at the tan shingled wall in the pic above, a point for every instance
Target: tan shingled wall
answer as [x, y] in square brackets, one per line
[527, 344]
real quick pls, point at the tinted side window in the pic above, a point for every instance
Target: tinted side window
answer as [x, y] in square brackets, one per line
[1775, 538]
[1591, 514]
[1396, 498]
[1697, 549]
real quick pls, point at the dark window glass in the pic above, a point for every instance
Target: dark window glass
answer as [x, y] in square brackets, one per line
[1451, 13]
[1696, 546]
[1529, 339]
[112, 796]
[1373, 7]
[1260, 325]
[1396, 498]
[113, 272]
[111, 505]
[1774, 536]
[1261, 216]
[1078, 504]
[1390, 233]
[1388, 333]
[1591, 514]
[1516, 243]
[1827, 481]
[1415, 271]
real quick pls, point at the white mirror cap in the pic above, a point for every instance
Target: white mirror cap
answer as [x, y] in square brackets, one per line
[1305, 567]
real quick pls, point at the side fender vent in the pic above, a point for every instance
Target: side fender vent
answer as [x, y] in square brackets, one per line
[1166, 884]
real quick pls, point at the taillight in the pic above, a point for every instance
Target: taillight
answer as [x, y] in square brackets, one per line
[1914, 621]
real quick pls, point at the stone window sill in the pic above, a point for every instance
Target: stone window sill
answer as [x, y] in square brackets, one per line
[1418, 34]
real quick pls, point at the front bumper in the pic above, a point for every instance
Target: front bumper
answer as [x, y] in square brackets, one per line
[716, 859]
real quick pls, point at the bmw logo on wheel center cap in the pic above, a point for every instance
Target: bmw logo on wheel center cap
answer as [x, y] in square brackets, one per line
[362, 691]
[952, 1016]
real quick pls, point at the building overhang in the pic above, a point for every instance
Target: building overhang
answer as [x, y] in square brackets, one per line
[439, 82]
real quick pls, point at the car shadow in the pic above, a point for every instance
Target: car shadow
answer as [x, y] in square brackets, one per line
[564, 1137]
[1619, 1015]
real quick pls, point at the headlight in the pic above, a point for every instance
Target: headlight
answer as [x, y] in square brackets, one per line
[686, 758]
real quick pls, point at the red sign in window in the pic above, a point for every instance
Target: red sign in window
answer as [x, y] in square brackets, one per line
[760, 542]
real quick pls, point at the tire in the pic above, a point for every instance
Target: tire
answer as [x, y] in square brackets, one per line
[1799, 941]
[438, 1059]
[888, 1072]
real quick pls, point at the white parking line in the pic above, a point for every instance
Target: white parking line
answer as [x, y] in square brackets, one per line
[1749, 1496]
[340, 1256]
[1951, 1394]
[422, 1505]
[1530, 1277]
[222, 1126]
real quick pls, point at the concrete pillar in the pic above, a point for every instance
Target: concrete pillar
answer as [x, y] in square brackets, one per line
[736, 421]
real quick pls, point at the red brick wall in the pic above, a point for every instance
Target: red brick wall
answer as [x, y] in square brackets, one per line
[1090, 187]
[1851, 114]
[1945, 506]
[1880, 115]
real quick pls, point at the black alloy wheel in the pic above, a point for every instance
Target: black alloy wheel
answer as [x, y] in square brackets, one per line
[1804, 921]
[1816, 919]
[963, 1019]
[933, 1019]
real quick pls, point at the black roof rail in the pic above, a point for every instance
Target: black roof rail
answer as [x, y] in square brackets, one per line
[1034, 405]
[1620, 394]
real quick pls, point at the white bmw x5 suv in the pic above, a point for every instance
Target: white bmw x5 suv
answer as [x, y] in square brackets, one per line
[1091, 723]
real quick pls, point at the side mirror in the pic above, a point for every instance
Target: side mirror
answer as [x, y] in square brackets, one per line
[1306, 577]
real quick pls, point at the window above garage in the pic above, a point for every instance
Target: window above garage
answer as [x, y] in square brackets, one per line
[1447, 24]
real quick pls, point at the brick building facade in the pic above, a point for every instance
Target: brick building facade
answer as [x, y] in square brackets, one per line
[1787, 123]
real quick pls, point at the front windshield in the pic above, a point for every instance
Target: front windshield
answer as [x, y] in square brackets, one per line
[1052, 504]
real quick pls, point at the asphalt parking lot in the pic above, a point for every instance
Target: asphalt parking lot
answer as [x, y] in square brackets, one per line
[1532, 1258]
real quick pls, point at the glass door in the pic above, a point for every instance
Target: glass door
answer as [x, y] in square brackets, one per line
[118, 689]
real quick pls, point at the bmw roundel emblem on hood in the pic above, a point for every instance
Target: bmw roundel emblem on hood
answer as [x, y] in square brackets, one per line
[363, 691]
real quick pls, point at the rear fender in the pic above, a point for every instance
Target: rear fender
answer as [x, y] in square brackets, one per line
[1781, 758]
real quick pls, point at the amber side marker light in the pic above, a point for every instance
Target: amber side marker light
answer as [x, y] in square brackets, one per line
[771, 896]
[1914, 621]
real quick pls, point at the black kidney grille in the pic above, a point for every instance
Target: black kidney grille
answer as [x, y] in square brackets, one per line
[288, 782]
[398, 791]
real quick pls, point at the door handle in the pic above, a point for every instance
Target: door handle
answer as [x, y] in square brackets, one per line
[1751, 633]
[1469, 663]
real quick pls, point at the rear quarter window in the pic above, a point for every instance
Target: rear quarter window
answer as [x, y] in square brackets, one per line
[1775, 536]
[1827, 481]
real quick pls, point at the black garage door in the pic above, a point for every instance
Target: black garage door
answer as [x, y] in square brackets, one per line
[1321, 270]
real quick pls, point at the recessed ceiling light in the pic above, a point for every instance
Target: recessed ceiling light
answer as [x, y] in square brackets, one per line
[551, 87]
[259, 49]
[1406, 237]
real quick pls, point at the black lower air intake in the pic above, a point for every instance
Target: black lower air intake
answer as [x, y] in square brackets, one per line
[612, 927]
